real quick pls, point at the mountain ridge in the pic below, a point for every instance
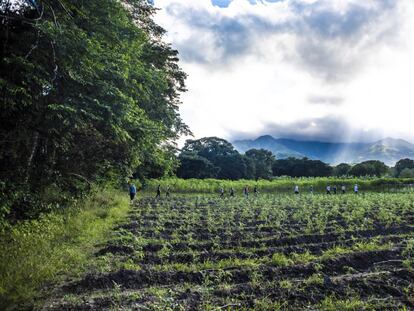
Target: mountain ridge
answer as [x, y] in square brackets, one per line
[389, 150]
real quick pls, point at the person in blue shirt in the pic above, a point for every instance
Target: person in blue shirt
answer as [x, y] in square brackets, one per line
[132, 191]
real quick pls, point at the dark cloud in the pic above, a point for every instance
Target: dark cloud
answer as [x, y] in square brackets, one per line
[333, 45]
[327, 129]
[330, 45]
[233, 37]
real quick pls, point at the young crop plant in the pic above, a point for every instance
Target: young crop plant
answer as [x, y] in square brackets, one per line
[281, 260]
[129, 264]
[332, 304]
[286, 284]
[226, 247]
[408, 254]
[314, 279]
[302, 258]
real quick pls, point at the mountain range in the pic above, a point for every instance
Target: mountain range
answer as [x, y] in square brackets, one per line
[388, 150]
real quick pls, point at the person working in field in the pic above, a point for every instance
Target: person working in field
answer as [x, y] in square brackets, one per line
[158, 192]
[221, 192]
[356, 189]
[311, 189]
[334, 189]
[343, 188]
[132, 191]
[328, 189]
[232, 192]
[246, 192]
[296, 189]
[168, 192]
[255, 191]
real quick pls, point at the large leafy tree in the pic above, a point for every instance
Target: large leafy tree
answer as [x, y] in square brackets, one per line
[369, 168]
[341, 169]
[194, 166]
[209, 147]
[232, 166]
[263, 161]
[301, 168]
[213, 157]
[403, 164]
[88, 91]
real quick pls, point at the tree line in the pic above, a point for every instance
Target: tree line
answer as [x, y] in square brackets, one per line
[213, 157]
[89, 93]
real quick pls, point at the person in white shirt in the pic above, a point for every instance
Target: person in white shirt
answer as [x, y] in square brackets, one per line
[356, 189]
[343, 189]
[296, 189]
[328, 189]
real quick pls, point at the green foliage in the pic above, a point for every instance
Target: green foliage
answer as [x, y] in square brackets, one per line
[341, 170]
[263, 161]
[403, 164]
[408, 254]
[352, 304]
[212, 157]
[195, 166]
[209, 147]
[301, 168]
[279, 185]
[90, 93]
[57, 245]
[281, 260]
[369, 168]
[314, 279]
[407, 173]
[232, 166]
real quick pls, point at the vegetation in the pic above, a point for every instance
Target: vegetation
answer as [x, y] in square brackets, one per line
[404, 168]
[302, 168]
[212, 157]
[281, 185]
[59, 245]
[89, 99]
[89, 93]
[343, 252]
[373, 168]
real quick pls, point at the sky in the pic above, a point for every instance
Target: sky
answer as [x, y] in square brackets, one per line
[331, 70]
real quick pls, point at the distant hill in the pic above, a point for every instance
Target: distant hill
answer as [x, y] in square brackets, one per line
[388, 150]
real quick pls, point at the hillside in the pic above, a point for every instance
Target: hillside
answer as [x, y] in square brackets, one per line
[388, 150]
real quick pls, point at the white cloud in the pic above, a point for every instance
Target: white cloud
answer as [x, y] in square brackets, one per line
[268, 67]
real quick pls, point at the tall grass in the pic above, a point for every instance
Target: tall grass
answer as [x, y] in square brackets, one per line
[39, 253]
[279, 184]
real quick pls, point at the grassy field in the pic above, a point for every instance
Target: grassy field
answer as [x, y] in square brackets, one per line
[280, 185]
[273, 252]
[37, 255]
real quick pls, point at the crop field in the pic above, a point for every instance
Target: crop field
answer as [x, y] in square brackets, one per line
[271, 252]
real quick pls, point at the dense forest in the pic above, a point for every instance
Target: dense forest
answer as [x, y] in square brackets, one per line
[89, 94]
[212, 157]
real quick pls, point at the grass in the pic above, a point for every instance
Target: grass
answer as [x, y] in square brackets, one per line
[37, 254]
[280, 184]
[408, 254]
[352, 304]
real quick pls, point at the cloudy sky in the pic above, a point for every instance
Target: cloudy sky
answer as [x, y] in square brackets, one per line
[334, 70]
